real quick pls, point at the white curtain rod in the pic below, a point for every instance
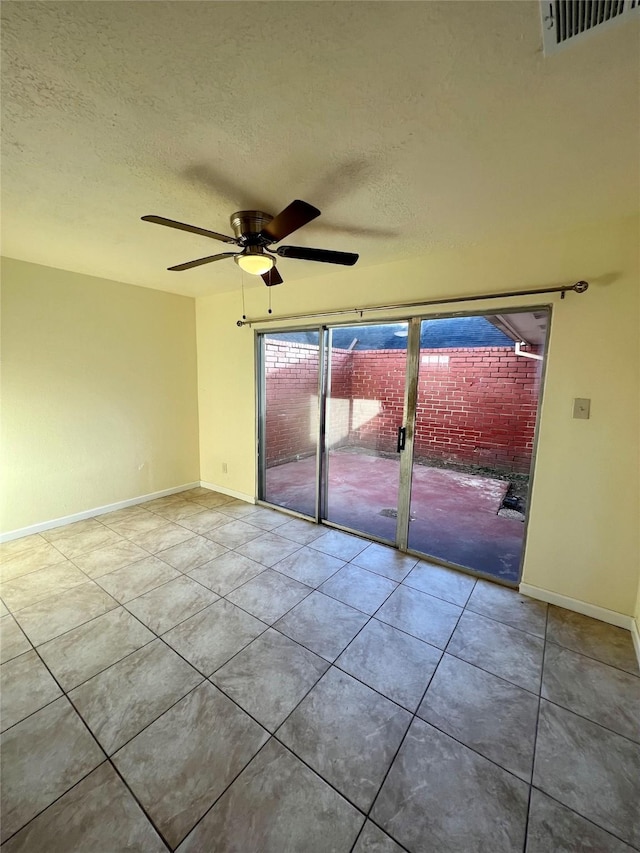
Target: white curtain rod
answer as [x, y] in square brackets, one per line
[578, 287]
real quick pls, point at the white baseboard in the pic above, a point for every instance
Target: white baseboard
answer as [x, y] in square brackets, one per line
[225, 491]
[89, 513]
[621, 620]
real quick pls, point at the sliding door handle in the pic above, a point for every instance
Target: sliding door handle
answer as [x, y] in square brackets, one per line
[402, 437]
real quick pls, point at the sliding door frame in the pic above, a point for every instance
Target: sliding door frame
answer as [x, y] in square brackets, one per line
[324, 383]
[261, 400]
[325, 332]
[409, 424]
[261, 423]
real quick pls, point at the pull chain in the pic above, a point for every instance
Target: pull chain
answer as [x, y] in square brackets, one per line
[269, 289]
[244, 316]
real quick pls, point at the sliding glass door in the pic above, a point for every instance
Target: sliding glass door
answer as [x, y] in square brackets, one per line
[364, 419]
[418, 433]
[477, 391]
[289, 414]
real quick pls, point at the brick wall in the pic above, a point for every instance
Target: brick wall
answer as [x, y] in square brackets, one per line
[377, 389]
[292, 399]
[475, 405]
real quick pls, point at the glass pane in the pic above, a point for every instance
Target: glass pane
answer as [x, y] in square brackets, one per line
[475, 420]
[290, 420]
[365, 399]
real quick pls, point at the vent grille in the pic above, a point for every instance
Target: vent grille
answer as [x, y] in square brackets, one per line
[566, 20]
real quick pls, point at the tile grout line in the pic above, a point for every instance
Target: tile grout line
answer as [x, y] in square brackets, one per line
[590, 720]
[315, 588]
[244, 610]
[506, 624]
[195, 613]
[31, 713]
[107, 759]
[404, 737]
[155, 719]
[364, 612]
[489, 672]
[589, 820]
[104, 669]
[595, 660]
[57, 799]
[535, 733]
[239, 773]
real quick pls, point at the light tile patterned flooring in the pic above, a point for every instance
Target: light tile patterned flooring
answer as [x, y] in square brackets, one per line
[205, 675]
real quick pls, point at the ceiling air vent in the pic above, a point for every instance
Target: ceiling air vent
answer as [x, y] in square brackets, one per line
[564, 21]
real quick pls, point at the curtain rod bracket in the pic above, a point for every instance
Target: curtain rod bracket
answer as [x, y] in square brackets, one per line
[578, 287]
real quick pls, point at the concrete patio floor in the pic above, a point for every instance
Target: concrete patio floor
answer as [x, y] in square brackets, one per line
[453, 515]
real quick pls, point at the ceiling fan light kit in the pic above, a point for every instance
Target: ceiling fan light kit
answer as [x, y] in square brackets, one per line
[255, 231]
[254, 260]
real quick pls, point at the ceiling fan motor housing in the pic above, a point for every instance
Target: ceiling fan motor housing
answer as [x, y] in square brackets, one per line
[247, 225]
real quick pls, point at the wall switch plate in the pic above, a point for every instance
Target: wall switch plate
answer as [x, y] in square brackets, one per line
[581, 408]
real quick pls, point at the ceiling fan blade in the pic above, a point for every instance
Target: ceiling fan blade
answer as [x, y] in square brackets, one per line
[272, 277]
[190, 264]
[325, 256]
[182, 226]
[294, 216]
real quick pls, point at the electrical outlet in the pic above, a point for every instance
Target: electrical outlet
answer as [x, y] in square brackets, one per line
[581, 408]
[224, 468]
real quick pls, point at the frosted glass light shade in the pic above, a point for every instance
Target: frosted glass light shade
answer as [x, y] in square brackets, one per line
[255, 264]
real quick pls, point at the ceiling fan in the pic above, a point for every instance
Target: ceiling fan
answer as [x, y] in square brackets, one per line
[255, 231]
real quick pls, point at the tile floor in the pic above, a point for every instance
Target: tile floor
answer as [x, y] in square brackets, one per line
[204, 675]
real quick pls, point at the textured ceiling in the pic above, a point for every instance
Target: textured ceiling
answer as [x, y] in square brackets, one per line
[412, 125]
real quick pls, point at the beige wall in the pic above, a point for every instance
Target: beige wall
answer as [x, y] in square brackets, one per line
[99, 399]
[583, 532]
